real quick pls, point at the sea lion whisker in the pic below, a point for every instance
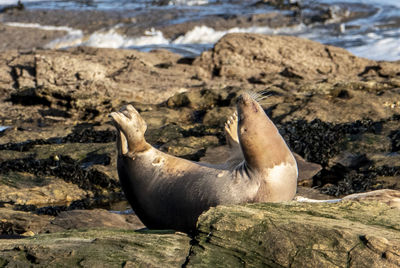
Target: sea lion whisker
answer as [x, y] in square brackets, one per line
[254, 95]
[264, 97]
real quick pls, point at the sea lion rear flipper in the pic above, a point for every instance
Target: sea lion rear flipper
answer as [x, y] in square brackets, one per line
[132, 127]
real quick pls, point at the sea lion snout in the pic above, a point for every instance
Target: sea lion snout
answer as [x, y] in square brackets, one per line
[244, 99]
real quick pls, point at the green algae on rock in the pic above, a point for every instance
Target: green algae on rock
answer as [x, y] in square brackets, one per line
[347, 234]
[96, 247]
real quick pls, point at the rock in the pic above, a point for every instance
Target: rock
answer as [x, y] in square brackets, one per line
[37, 190]
[250, 55]
[190, 147]
[218, 116]
[395, 137]
[311, 193]
[23, 223]
[35, 38]
[16, 223]
[97, 247]
[386, 196]
[348, 234]
[319, 81]
[28, 233]
[87, 83]
[89, 219]
[349, 160]
[307, 170]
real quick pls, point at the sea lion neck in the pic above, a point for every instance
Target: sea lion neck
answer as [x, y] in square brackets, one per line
[261, 144]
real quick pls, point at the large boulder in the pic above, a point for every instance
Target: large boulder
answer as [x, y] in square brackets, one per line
[298, 235]
[250, 56]
[96, 248]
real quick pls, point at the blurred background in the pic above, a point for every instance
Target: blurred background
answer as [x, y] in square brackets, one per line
[367, 28]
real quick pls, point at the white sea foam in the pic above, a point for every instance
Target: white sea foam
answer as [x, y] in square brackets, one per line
[2, 128]
[112, 39]
[189, 2]
[39, 26]
[395, 3]
[207, 35]
[384, 49]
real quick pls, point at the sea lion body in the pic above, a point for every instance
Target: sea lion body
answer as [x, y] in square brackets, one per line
[168, 192]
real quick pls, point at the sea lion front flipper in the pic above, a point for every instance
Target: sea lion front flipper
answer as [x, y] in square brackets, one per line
[232, 139]
[231, 134]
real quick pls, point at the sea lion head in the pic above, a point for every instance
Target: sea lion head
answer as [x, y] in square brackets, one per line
[261, 144]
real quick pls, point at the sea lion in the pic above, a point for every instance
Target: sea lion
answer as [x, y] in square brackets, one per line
[168, 192]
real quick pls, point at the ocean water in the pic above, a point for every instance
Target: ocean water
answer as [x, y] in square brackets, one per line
[375, 35]
[2, 128]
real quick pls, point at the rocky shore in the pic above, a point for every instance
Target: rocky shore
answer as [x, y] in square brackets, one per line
[58, 160]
